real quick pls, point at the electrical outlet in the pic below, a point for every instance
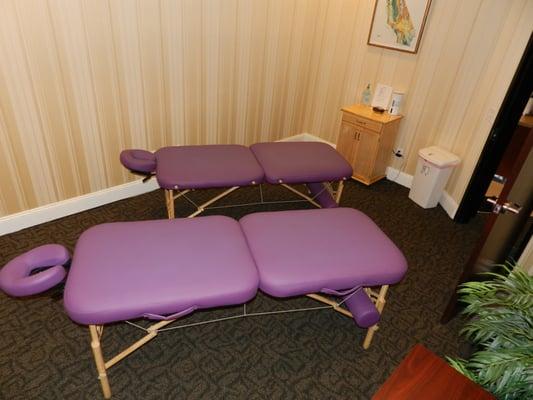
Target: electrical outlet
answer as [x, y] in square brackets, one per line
[399, 152]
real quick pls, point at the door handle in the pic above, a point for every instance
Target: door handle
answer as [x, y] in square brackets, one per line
[511, 207]
[505, 207]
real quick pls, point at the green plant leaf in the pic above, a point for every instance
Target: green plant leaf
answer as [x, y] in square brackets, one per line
[500, 312]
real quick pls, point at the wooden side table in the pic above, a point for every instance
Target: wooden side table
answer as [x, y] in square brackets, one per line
[422, 375]
[366, 140]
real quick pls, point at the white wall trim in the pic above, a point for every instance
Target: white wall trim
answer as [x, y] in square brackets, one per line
[49, 212]
[446, 201]
[306, 137]
[449, 204]
[399, 177]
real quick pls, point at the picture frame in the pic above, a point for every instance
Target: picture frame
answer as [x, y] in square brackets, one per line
[398, 24]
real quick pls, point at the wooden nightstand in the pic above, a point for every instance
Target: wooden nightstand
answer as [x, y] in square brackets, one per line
[366, 140]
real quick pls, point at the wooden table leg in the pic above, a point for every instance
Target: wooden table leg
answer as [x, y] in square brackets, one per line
[99, 360]
[169, 199]
[380, 303]
[339, 192]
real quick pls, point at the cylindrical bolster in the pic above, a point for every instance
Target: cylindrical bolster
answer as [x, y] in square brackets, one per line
[322, 195]
[15, 278]
[138, 160]
[363, 310]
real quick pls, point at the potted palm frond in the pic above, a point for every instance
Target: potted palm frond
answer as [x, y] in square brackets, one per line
[500, 325]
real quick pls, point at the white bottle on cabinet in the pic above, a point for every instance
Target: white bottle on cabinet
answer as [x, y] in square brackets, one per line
[366, 95]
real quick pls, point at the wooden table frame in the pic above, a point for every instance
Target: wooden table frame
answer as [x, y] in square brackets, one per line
[102, 366]
[172, 194]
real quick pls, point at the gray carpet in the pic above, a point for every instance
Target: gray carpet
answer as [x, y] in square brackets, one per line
[314, 355]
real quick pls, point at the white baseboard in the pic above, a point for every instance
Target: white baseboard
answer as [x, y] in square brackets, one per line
[446, 201]
[301, 137]
[49, 212]
[449, 204]
[306, 137]
[399, 177]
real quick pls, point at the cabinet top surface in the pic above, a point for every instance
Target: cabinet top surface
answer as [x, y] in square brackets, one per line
[367, 112]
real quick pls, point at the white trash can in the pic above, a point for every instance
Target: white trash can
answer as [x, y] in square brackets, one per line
[432, 172]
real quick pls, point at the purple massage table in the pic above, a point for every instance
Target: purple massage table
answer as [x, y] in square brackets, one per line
[161, 270]
[179, 169]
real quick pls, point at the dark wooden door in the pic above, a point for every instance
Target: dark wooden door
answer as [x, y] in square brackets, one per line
[510, 212]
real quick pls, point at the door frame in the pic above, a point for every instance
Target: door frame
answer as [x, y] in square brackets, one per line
[500, 136]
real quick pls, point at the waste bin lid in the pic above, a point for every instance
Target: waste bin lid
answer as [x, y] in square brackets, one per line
[439, 157]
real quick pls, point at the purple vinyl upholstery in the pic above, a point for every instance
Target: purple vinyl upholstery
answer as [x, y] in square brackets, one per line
[210, 166]
[138, 160]
[363, 310]
[15, 278]
[321, 195]
[127, 270]
[301, 162]
[306, 251]
[165, 269]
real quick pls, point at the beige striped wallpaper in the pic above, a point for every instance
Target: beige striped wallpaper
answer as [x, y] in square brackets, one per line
[81, 80]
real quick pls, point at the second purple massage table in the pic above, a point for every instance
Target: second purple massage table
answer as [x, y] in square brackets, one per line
[165, 269]
[180, 169]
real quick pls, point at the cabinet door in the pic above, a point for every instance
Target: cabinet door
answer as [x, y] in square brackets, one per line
[365, 154]
[346, 141]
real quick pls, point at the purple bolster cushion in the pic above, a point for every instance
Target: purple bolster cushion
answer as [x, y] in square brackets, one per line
[321, 195]
[363, 310]
[138, 160]
[15, 278]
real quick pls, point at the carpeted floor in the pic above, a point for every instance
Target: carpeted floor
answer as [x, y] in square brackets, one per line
[314, 355]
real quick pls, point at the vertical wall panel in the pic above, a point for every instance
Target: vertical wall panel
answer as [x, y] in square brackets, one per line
[12, 193]
[71, 37]
[82, 79]
[19, 94]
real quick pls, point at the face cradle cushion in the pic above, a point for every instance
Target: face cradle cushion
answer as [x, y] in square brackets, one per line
[298, 162]
[141, 161]
[306, 251]
[128, 270]
[210, 166]
[15, 278]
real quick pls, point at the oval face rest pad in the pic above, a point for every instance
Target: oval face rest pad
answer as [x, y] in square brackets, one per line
[16, 279]
[141, 161]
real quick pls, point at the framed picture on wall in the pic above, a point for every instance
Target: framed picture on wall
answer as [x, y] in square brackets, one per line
[398, 24]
